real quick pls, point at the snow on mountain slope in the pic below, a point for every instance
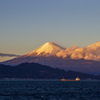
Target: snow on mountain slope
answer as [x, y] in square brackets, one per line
[69, 59]
[52, 51]
[48, 49]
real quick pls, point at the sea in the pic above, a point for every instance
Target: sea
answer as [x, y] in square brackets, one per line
[49, 90]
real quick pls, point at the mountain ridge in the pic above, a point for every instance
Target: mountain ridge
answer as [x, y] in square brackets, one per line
[38, 71]
[73, 58]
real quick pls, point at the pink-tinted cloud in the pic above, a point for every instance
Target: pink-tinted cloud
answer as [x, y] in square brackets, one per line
[92, 52]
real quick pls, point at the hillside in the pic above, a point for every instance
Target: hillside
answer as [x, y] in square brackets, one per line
[38, 71]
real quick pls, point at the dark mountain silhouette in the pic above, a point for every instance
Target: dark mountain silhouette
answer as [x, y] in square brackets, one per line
[38, 71]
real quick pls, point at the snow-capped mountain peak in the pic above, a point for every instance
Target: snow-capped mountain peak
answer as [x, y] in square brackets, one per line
[55, 56]
[47, 49]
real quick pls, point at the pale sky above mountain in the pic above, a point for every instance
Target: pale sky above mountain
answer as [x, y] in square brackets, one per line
[28, 24]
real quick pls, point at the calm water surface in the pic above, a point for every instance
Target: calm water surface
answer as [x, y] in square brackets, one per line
[49, 90]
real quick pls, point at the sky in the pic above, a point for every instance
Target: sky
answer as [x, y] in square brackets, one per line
[27, 24]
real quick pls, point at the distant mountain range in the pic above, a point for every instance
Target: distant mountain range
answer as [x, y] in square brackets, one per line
[38, 71]
[74, 58]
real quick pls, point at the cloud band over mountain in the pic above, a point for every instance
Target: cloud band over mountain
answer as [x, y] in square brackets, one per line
[8, 55]
[92, 52]
[50, 49]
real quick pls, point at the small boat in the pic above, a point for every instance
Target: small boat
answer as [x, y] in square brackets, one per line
[77, 79]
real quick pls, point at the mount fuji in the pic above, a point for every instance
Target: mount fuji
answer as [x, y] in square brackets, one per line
[73, 58]
[46, 51]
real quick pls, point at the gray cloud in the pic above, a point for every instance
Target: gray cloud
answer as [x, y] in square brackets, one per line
[8, 55]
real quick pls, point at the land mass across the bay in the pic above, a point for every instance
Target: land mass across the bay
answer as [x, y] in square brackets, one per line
[38, 71]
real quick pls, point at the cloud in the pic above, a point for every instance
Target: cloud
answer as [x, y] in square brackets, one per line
[8, 55]
[92, 52]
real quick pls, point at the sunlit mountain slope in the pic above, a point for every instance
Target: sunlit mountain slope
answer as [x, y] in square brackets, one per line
[73, 58]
